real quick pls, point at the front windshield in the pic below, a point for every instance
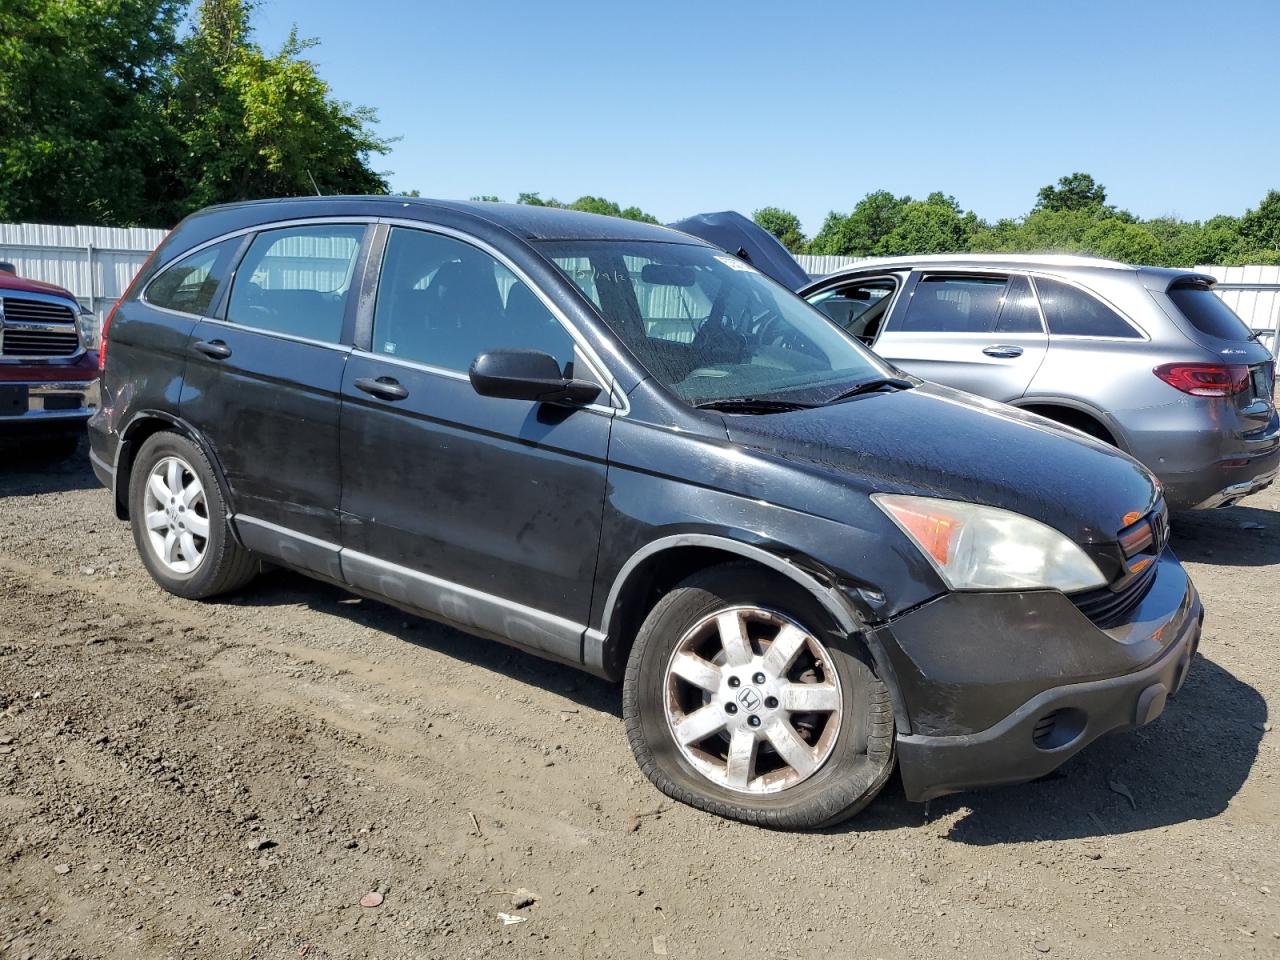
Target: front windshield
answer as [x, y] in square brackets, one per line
[711, 327]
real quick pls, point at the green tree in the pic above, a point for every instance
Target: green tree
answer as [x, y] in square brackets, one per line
[1117, 239]
[1260, 228]
[935, 225]
[1075, 191]
[253, 125]
[784, 225]
[857, 234]
[80, 138]
[534, 200]
[588, 204]
[608, 208]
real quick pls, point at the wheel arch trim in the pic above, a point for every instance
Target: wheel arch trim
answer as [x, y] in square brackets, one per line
[1109, 422]
[126, 444]
[596, 642]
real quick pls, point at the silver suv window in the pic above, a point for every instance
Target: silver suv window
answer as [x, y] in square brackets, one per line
[1070, 312]
[948, 304]
[1018, 311]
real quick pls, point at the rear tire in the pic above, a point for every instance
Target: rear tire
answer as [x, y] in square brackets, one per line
[789, 743]
[179, 521]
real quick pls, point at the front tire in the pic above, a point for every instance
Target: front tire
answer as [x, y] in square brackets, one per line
[741, 698]
[179, 521]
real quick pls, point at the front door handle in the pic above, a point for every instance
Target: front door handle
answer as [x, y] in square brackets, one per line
[1006, 350]
[384, 388]
[213, 348]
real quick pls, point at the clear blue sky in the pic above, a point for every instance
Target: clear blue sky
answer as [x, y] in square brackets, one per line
[692, 106]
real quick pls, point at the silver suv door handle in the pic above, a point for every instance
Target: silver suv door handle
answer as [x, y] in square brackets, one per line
[1002, 350]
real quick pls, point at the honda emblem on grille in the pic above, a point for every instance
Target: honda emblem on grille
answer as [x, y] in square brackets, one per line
[1160, 529]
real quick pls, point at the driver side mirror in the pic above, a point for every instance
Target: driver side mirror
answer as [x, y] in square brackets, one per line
[528, 375]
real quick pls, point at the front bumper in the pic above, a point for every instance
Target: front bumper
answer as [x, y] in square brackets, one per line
[1004, 688]
[44, 407]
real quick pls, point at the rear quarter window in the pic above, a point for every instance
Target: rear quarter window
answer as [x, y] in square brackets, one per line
[188, 286]
[1070, 312]
[1206, 312]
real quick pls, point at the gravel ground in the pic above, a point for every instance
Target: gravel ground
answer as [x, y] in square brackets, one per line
[230, 779]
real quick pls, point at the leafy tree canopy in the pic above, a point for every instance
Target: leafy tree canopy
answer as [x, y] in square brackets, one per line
[784, 225]
[1075, 191]
[587, 204]
[108, 115]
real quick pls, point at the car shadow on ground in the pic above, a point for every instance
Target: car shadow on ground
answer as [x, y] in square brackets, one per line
[1237, 536]
[25, 473]
[1185, 766]
[282, 587]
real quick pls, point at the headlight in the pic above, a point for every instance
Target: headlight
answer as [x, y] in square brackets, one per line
[87, 325]
[985, 548]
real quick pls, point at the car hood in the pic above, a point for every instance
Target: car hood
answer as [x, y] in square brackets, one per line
[10, 283]
[935, 441]
[733, 233]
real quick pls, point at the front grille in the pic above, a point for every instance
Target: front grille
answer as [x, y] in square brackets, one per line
[37, 311]
[32, 329]
[1108, 607]
[1142, 543]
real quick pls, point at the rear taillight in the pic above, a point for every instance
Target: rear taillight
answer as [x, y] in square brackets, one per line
[102, 338]
[1205, 379]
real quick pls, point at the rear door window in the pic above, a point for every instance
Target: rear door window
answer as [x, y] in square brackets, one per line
[1018, 310]
[1207, 313]
[188, 286]
[953, 304]
[1070, 312]
[295, 281]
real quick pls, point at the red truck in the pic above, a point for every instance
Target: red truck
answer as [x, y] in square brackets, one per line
[48, 365]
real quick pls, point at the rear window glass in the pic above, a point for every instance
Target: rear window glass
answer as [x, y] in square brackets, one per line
[1208, 313]
[1071, 312]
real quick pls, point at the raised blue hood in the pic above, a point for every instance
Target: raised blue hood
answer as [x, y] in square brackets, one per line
[733, 233]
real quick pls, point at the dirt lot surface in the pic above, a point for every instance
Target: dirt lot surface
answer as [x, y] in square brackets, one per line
[230, 779]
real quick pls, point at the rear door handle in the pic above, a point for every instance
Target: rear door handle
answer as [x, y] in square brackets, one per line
[213, 348]
[1006, 350]
[384, 388]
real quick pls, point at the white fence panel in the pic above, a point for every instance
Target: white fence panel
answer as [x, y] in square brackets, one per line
[94, 263]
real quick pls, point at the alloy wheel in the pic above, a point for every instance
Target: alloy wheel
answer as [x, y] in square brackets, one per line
[176, 515]
[753, 701]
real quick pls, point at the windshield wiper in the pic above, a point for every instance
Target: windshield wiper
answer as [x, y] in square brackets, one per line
[753, 405]
[870, 386]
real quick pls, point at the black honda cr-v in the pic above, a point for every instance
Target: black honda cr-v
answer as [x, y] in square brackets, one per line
[615, 446]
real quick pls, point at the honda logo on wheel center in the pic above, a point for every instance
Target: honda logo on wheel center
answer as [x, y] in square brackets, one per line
[748, 698]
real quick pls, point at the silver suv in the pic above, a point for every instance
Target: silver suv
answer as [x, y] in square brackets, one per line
[1145, 358]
